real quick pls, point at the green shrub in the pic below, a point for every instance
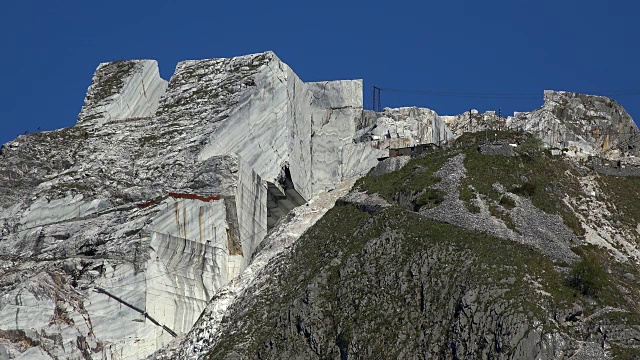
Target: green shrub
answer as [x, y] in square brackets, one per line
[587, 277]
[500, 214]
[530, 148]
[526, 189]
[473, 208]
[572, 222]
[430, 197]
[507, 202]
[467, 194]
[389, 185]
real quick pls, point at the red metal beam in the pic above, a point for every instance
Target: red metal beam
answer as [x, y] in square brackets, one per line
[145, 205]
[181, 196]
[194, 197]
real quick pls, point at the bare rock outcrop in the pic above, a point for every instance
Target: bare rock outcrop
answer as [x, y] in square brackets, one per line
[116, 232]
[585, 125]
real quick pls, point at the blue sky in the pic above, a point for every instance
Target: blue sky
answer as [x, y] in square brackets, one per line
[50, 49]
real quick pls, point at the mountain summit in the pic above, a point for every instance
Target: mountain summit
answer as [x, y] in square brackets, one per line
[233, 212]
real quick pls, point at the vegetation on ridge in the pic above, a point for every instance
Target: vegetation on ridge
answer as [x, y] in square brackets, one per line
[111, 79]
[415, 177]
[394, 284]
[533, 173]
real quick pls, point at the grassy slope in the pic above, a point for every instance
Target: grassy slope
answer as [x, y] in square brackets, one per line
[472, 260]
[534, 173]
[329, 291]
[624, 192]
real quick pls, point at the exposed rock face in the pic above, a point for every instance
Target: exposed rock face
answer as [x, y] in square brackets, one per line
[389, 165]
[583, 124]
[121, 273]
[150, 215]
[472, 121]
[497, 149]
[123, 90]
[119, 230]
[591, 124]
[277, 244]
[404, 127]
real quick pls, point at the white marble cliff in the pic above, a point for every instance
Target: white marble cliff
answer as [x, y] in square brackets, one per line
[123, 90]
[116, 233]
[405, 127]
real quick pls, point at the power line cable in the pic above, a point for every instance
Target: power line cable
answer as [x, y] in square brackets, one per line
[462, 94]
[500, 95]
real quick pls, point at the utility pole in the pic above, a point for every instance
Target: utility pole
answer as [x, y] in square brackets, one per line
[486, 127]
[373, 106]
[377, 100]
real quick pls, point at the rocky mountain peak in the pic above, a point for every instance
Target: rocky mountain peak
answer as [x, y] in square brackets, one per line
[598, 121]
[156, 221]
[583, 125]
[123, 90]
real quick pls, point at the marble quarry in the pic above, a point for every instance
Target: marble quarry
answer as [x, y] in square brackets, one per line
[404, 127]
[115, 233]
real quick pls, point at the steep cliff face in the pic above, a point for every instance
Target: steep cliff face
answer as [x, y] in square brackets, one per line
[99, 274]
[123, 90]
[118, 231]
[588, 123]
[175, 212]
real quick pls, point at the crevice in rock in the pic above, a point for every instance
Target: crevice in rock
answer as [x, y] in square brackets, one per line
[282, 197]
